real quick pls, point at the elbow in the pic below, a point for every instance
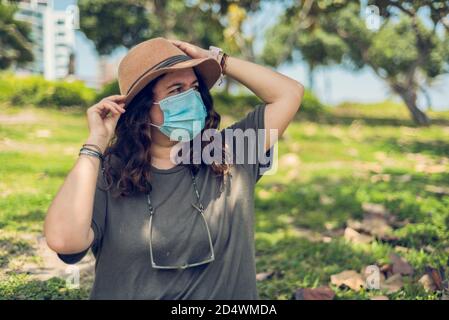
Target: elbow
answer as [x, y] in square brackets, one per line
[297, 94]
[300, 91]
[57, 239]
[57, 244]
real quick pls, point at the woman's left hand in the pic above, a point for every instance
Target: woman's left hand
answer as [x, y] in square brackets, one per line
[191, 50]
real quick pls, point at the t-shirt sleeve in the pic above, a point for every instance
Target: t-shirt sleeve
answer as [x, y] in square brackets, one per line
[253, 157]
[97, 224]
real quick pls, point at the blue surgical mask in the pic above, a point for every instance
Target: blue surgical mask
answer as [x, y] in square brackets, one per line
[186, 111]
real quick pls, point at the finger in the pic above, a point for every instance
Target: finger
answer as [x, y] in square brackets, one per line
[116, 97]
[118, 106]
[174, 41]
[105, 108]
[114, 107]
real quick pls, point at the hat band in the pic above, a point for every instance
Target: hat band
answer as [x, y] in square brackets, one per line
[163, 64]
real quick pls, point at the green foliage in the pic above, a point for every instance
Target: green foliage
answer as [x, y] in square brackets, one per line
[406, 49]
[127, 23]
[235, 104]
[108, 89]
[20, 287]
[341, 166]
[131, 22]
[35, 90]
[239, 104]
[15, 40]
[311, 107]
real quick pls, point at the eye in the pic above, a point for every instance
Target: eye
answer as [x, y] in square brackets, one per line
[174, 90]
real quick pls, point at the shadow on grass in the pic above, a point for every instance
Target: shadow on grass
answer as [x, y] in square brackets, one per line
[436, 147]
[298, 262]
[323, 203]
[11, 248]
[370, 121]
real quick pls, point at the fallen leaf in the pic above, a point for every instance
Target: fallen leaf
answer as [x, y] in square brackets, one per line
[387, 270]
[427, 282]
[376, 225]
[325, 200]
[404, 178]
[437, 189]
[321, 293]
[379, 298]
[375, 208]
[264, 275]
[400, 265]
[437, 277]
[392, 284]
[349, 278]
[355, 237]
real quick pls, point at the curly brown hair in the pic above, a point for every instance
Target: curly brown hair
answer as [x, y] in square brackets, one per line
[127, 158]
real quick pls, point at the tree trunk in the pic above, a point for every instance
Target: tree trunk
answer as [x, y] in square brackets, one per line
[419, 117]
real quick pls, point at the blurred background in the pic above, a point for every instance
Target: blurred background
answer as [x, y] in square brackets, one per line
[358, 208]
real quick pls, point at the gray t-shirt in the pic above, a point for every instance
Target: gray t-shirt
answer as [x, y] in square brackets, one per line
[121, 226]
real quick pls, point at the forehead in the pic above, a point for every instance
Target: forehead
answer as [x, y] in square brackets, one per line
[184, 76]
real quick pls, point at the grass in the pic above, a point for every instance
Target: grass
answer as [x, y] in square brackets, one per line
[327, 170]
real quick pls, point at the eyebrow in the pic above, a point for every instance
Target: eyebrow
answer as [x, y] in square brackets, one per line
[180, 84]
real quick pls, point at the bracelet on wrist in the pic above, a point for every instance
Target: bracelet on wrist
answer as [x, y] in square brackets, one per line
[93, 145]
[223, 62]
[91, 152]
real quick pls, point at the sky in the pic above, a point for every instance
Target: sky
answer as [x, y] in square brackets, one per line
[333, 85]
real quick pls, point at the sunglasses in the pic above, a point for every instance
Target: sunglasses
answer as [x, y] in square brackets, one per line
[200, 209]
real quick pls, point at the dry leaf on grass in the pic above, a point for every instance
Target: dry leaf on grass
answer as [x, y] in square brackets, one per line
[437, 277]
[355, 237]
[400, 265]
[321, 293]
[437, 189]
[379, 298]
[349, 278]
[427, 282]
[376, 225]
[392, 284]
[373, 224]
[264, 275]
[375, 208]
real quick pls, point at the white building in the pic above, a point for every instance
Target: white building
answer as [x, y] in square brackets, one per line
[53, 35]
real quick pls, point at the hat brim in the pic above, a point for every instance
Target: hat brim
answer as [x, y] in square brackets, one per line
[208, 68]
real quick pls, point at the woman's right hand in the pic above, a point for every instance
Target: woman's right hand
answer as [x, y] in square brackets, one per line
[102, 117]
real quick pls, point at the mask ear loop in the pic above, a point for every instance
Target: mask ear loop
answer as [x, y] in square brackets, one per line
[152, 124]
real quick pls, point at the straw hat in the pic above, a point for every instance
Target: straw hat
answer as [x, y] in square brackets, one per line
[151, 58]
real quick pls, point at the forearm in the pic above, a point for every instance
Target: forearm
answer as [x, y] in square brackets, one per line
[69, 217]
[270, 86]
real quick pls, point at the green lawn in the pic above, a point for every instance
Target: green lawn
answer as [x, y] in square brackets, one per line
[328, 172]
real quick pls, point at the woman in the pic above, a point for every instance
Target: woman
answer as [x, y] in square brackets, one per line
[161, 228]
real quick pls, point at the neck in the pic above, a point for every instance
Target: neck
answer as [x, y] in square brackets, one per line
[160, 155]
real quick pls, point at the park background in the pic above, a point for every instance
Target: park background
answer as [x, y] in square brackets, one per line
[362, 174]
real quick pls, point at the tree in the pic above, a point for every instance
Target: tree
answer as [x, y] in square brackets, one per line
[404, 52]
[15, 41]
[205, 23]
[114, 23]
